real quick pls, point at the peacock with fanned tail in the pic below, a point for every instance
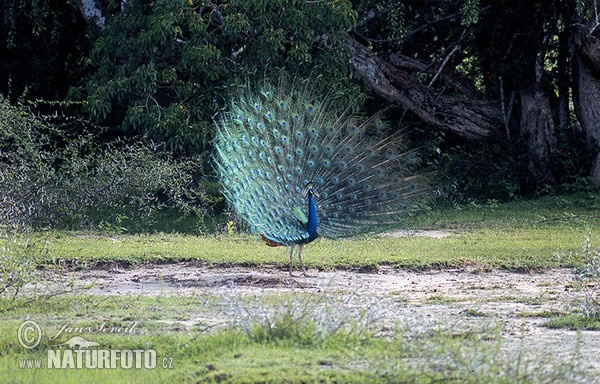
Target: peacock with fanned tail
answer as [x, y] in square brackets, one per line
[295, 167]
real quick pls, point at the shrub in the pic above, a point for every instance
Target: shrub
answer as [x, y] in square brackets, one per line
[22, 258]
[309, 320]
[587, 284]
[478, 172]
[46, 182]
[19, 258]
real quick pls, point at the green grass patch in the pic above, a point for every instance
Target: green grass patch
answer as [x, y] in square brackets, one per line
[523, 235]
[575, 322]
[294, 346]
[540, 314]
[577, 210]
[518, 249]
[296, 337]
[472, 312]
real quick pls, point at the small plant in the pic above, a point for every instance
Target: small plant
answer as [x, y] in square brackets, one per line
[18, 262]
[587, 282]
[21, 280]
[118, 228]
[584, 293]
[309, 321]
[231, 227]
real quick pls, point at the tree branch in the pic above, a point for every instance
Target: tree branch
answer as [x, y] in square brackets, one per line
[439, 71]
[410, 64]
[469, 118]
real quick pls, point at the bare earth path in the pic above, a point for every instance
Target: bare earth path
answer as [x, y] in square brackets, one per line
[456, 300]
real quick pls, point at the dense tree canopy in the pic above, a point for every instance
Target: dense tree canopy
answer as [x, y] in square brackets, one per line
[43, 49]
[506, 73]
[161, 68]
[504, 95]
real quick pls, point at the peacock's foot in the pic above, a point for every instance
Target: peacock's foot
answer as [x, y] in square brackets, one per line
[305, 274]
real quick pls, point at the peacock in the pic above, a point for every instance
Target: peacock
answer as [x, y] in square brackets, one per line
[296, 166]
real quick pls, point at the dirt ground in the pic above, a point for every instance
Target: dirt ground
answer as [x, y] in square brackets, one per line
[457, 300]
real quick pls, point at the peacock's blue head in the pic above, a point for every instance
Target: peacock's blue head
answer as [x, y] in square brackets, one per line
[309, 190]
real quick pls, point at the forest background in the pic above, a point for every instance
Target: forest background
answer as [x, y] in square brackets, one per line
[108, 107]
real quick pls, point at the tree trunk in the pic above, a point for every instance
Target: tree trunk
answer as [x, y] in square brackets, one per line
[92, 12]
[537, 130]
[586, 93]
[467, 117]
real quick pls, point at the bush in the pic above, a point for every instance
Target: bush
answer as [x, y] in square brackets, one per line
[48, 183]
[478, 172]
[19, 258]
[22, 258]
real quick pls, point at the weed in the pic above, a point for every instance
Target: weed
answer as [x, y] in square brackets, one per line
[584, 292]
[20, 282]
[471, 312]
[546, 314]
[308, 320]
[587, 281]
[575, 321]
[18, 263]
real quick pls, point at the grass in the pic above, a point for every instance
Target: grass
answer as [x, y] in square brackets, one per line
[298, 337]
[294, 346]
[527, 248]
[517, 236]
[575, 321]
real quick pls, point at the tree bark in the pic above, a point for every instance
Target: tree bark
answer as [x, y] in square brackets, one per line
[409, 64]
[469, 118]
[586, 93]
[537, 131]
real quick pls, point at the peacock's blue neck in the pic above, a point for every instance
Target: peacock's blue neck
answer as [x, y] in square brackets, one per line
[311, 226]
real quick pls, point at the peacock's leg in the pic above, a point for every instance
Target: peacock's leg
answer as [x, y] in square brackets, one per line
[291, 259]
[300, 248]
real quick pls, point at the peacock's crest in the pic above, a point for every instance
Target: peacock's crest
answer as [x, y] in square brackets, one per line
[275, 141]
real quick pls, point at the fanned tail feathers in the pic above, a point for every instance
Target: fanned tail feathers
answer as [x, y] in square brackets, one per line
[274, 141]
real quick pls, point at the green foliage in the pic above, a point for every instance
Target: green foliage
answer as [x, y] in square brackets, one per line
[162, 69]
[570, 159]
[49, 182]
[575, 321]
[307, 321]
[470, 12]
[475, 172]
[25, 169]
[42, 49]
[587, 8]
